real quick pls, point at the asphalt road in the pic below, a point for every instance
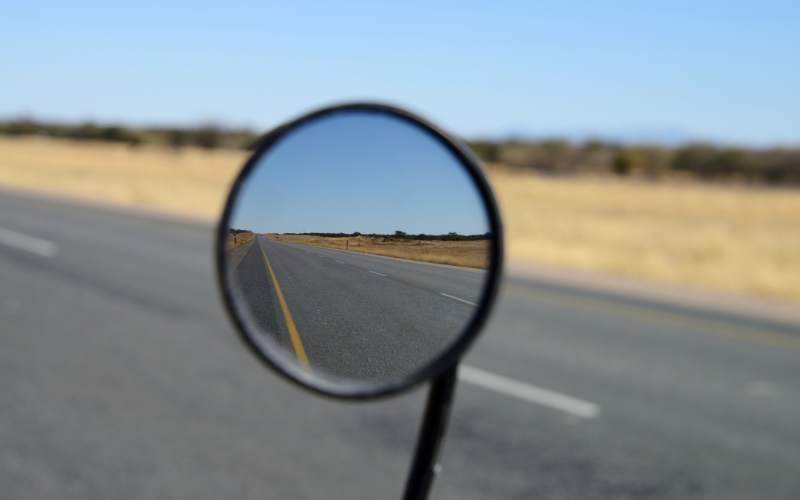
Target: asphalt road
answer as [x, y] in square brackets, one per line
[355, 315]
[121, 378]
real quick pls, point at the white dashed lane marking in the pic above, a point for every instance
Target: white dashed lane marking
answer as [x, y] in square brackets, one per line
[27, 243]
[528, 392]
[457, 298]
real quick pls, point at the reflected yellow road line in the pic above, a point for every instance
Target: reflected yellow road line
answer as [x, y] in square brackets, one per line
[645, 314]
[294, 335]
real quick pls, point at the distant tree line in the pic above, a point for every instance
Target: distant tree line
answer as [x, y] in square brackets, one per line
[699, 161]
[401, 235]
[550, 157]
[207, 136]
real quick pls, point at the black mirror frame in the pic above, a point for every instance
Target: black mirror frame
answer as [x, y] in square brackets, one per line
[452, 355]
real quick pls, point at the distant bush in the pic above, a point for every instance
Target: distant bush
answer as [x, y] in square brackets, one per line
[207, 136]
[487, 151]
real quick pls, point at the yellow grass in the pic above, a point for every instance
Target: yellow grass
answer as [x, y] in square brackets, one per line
[240, 239]
[191, 182]
[740, 240]
[726, 238]
[454, 253]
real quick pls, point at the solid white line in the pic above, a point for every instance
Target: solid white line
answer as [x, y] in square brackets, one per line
[457, 298]
[379, 274]
[527, 392]
[30, 244]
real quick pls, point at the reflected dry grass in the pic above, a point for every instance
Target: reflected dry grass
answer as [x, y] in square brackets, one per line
[239, 240]
[454, 253]
[734, 239]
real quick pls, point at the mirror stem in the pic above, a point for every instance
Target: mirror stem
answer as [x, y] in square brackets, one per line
[424, 466]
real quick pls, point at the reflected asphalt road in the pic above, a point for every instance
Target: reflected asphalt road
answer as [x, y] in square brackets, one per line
[121, 378]
[354, 315]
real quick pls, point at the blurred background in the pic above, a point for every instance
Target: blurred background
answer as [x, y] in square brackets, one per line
[647, 162]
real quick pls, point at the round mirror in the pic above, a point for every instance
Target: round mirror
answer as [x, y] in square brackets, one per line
[359, 250]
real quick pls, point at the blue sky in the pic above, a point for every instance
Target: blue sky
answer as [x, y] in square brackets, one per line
[725, 71]
[364, 172]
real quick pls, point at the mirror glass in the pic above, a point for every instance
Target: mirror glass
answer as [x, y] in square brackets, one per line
[357, 248]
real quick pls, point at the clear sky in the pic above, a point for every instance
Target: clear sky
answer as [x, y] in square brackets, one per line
[718, 70]
[364, 172]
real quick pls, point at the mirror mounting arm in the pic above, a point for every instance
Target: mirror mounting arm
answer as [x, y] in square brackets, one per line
[424, 466]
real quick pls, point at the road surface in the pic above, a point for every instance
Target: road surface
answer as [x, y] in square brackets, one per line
[121, 378]
[353, 315]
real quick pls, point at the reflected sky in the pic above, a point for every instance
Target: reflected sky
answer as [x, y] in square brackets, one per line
[360, 171]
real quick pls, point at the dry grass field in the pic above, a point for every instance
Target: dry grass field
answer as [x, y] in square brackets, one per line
[239, 240]
[725, 238]
[188, 182]
[454, 253]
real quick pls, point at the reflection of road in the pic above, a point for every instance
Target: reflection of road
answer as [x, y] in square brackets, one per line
[120, 377]
[355, 314]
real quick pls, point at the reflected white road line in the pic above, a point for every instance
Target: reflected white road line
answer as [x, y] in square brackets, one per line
[527, 392]
[379, 274]
[27, 243]
[457, 298]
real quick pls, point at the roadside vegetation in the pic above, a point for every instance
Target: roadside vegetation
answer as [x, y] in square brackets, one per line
[190, 182]
[204, 136]
[452, 249]
[729, 238]
[238, 238]
[739, 237]
[698, 161]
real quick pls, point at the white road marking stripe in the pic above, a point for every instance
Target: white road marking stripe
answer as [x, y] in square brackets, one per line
[527, 392]
[379, 274]
[457, 298]
[30, 244]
